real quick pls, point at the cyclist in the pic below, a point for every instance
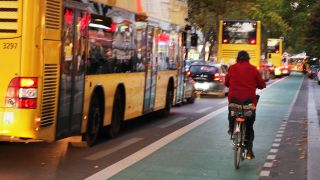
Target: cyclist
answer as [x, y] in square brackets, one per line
[243, 79]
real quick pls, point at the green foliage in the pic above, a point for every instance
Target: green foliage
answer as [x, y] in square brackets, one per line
[312, 36]
[286, 18]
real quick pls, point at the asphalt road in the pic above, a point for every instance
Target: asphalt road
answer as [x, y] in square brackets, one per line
[61, 160]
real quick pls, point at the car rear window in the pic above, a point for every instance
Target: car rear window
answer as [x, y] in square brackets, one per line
[203, 69]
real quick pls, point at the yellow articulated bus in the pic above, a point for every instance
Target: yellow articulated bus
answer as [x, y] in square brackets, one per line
[70, 67]
[237, 35]
[274, 55]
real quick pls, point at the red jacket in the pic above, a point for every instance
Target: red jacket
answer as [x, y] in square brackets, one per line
[243, 79]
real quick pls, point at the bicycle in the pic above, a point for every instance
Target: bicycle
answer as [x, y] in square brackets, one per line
[240, 112]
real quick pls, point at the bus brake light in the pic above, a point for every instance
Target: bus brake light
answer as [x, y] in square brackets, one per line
[252, 41]
[22, 93]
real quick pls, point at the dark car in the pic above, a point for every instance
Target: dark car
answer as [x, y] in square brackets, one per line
[209, 79]
[313, 71]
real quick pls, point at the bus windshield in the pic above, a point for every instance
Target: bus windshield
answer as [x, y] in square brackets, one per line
[273, 46]
[239, 32]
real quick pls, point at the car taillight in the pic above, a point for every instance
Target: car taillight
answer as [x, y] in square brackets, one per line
[217, 77]
[22, 93]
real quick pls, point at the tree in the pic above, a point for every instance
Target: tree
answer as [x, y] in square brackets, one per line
[312, 36]
[295, 13]
[205, 16]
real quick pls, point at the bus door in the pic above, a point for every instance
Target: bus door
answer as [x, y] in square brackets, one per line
[151, 70]
[181, 71]
[74, 48]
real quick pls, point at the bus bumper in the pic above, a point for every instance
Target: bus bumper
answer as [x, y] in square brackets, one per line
[17, 123]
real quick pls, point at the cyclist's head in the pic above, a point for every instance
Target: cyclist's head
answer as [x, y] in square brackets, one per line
[243, 56]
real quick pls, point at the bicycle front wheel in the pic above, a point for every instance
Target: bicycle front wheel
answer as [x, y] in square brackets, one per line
[237, 149]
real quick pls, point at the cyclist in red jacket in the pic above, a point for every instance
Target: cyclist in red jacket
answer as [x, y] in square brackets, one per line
[243, 79]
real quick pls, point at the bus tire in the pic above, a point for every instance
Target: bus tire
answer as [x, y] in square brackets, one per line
[117, 115]
[94, 121]
[169, 98]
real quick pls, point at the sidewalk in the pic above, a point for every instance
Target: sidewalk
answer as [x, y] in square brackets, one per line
[313, 132]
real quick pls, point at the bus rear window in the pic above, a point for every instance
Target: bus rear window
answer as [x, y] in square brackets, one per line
[239, 32]
[273, 46]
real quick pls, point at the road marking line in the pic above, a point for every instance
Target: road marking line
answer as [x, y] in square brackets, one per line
[223, 102]
[282, 128]
[275, 145]
[106, 152]
[264, 173]
[267, 164]
[146, 151]
[204, 110]
[283, 125]
[273, 150]
[280, 132]
[277, 140]
[172, 122]
[279, 135]
[271, 157]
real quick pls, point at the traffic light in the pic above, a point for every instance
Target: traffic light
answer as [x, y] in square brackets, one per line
[194, 39]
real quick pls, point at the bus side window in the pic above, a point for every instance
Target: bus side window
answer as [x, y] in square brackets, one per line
[269, 56]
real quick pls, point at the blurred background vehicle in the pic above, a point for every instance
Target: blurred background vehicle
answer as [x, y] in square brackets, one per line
[313, 71]
[209, 79]
[318, 76]
[188, 62]
[189, 90]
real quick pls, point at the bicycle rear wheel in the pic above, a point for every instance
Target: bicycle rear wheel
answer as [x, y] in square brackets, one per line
[237, 149]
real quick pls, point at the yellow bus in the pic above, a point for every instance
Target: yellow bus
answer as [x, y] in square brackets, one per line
[237, 35]
[71, 67]
[274, 55]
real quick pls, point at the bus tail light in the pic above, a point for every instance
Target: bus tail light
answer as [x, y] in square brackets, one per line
[225, 41]
[252, 41]
[22, 93]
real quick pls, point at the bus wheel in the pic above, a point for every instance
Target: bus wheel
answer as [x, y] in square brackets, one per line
[117, 115]
[169, 97]
[94, 122]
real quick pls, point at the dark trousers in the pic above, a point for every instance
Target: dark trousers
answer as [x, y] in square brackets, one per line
[249, 128]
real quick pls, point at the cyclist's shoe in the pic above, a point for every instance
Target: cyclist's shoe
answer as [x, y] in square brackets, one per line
[229, 131]
[250, 155]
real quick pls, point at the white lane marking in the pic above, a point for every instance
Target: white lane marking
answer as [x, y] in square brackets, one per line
[267, 164]
[313, 161]
[204, 110]
[172, 122]
[106, 152]
[273, 150]
[271, 157]
[279, 135]
[223, 102]
[275, 145]
[277, 140]
[282, 128]
[146, 151]
[264, 173]
[280, 132]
